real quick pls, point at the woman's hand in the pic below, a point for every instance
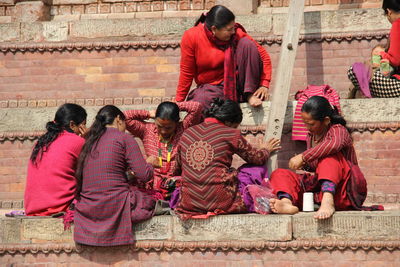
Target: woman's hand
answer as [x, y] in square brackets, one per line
[272, 145]
[258, 96]
[296, 162]
[154, 161]
[82, 130]
[262, 93]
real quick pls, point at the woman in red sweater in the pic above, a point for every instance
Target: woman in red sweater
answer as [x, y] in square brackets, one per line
[51, 184]
[382, 85]
[223, 60]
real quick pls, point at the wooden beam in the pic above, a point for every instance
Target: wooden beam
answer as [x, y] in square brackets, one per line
[280, 94]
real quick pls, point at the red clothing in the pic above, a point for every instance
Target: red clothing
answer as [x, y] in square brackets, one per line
[147, 132]
[202, 61]
[393, 54]
[51, 184]
[108, 206]
[209, 185]
[333, 159]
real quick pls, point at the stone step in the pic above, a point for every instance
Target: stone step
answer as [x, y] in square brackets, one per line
[343, 226]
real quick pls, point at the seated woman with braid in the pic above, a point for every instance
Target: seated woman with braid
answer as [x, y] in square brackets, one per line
[209, 185]
[330, 163]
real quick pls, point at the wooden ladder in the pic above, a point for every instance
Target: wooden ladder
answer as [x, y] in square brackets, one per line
[280, 95]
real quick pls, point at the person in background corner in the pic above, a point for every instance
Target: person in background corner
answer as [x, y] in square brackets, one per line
[223, 60]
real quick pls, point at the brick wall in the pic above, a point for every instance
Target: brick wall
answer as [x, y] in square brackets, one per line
[153, 72]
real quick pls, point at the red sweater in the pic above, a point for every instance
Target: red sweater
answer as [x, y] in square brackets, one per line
[202, 61]
[393, 54]
[51, 185]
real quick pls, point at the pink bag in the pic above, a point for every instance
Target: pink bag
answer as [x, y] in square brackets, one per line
[261, 194]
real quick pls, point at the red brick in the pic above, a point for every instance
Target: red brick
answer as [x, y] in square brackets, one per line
[184, 4]
[198, 4]
[104, 8]
[117, 8]
[158, 6]
[131, 7]
[144, 7]
[276, 3]
[171, 5]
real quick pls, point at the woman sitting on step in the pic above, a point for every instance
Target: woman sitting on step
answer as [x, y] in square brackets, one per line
[223, 60]
[51, 184]
[107, 205]
[160, 139]
[209, 186]
[328, 167]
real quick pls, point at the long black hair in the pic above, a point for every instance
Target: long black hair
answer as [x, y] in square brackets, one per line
[224, 111]
[218, 16]
[65, 114]
[391, 4]
[104, 117]
[319, 108]
[168, 111]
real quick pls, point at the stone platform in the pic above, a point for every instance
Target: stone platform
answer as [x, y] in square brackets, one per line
[353, 238]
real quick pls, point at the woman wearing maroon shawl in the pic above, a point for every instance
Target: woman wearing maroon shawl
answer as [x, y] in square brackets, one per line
[223, 60]
[107, 205]
[330, 164]
[209, 186]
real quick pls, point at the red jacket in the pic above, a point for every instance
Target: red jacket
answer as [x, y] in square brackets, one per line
[202, 61]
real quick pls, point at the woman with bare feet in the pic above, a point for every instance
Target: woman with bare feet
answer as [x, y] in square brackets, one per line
[328, 168]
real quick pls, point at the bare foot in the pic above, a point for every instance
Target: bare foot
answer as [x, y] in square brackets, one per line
[283, 206]
[327, 207]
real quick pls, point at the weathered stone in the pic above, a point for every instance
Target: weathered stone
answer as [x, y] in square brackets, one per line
[349, 225]
[31, 12]
[239, 7]
[45, 229]
[346, 20]
[234, 227]
[9, 32]
[386, 110]
[126, 27]
[55, 32]
[74, 2]
[32, 32]
[158, 228]
[10, 230]
[7, 2]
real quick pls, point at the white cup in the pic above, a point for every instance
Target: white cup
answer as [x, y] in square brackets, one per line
[308, 201]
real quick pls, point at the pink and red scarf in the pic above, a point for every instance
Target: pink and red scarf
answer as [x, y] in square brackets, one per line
[229, 47]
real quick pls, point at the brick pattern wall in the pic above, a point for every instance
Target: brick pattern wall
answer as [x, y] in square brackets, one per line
[284, 3]
[72, 7]
[154, 72]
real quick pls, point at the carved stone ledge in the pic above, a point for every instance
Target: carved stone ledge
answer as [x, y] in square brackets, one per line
[162, 44]
[204, 246]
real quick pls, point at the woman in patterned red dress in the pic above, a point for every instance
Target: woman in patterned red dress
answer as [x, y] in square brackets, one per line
[107, 205]
[332, 171]
[209, 186]
[160, 138]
